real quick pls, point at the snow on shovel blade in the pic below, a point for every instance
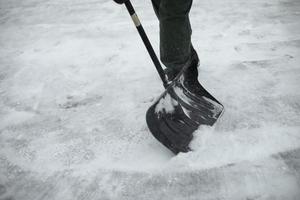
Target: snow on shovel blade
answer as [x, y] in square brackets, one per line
[177, 113]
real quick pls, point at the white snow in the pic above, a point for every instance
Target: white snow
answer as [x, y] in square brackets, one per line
[76, 82]
[166, 104]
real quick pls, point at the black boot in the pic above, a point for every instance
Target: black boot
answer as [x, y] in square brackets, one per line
[192, 71]
[190, 79]
[190, 76]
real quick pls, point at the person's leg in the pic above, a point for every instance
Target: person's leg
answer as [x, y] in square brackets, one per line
[175, 32]
[155, 4]
[174, 60]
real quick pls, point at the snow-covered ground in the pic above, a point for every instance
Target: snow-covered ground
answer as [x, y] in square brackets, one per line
[76, 81]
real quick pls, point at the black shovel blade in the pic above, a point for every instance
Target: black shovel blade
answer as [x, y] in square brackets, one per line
[178, 112]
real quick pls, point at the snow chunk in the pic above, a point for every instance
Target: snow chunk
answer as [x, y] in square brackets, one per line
[167, 104]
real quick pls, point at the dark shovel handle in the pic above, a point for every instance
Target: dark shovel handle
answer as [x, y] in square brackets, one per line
[146, 41]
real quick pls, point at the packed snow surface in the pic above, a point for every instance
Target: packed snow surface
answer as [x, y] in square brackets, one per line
[76, 82]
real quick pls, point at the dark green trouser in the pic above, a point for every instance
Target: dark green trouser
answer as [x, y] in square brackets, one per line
[175, 31]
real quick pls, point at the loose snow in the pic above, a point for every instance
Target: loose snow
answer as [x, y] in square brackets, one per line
[76, 82]
[166, 104]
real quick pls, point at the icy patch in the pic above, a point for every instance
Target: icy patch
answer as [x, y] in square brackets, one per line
[167, 104]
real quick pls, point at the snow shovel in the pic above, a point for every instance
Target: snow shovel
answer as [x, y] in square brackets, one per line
[178, 112]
